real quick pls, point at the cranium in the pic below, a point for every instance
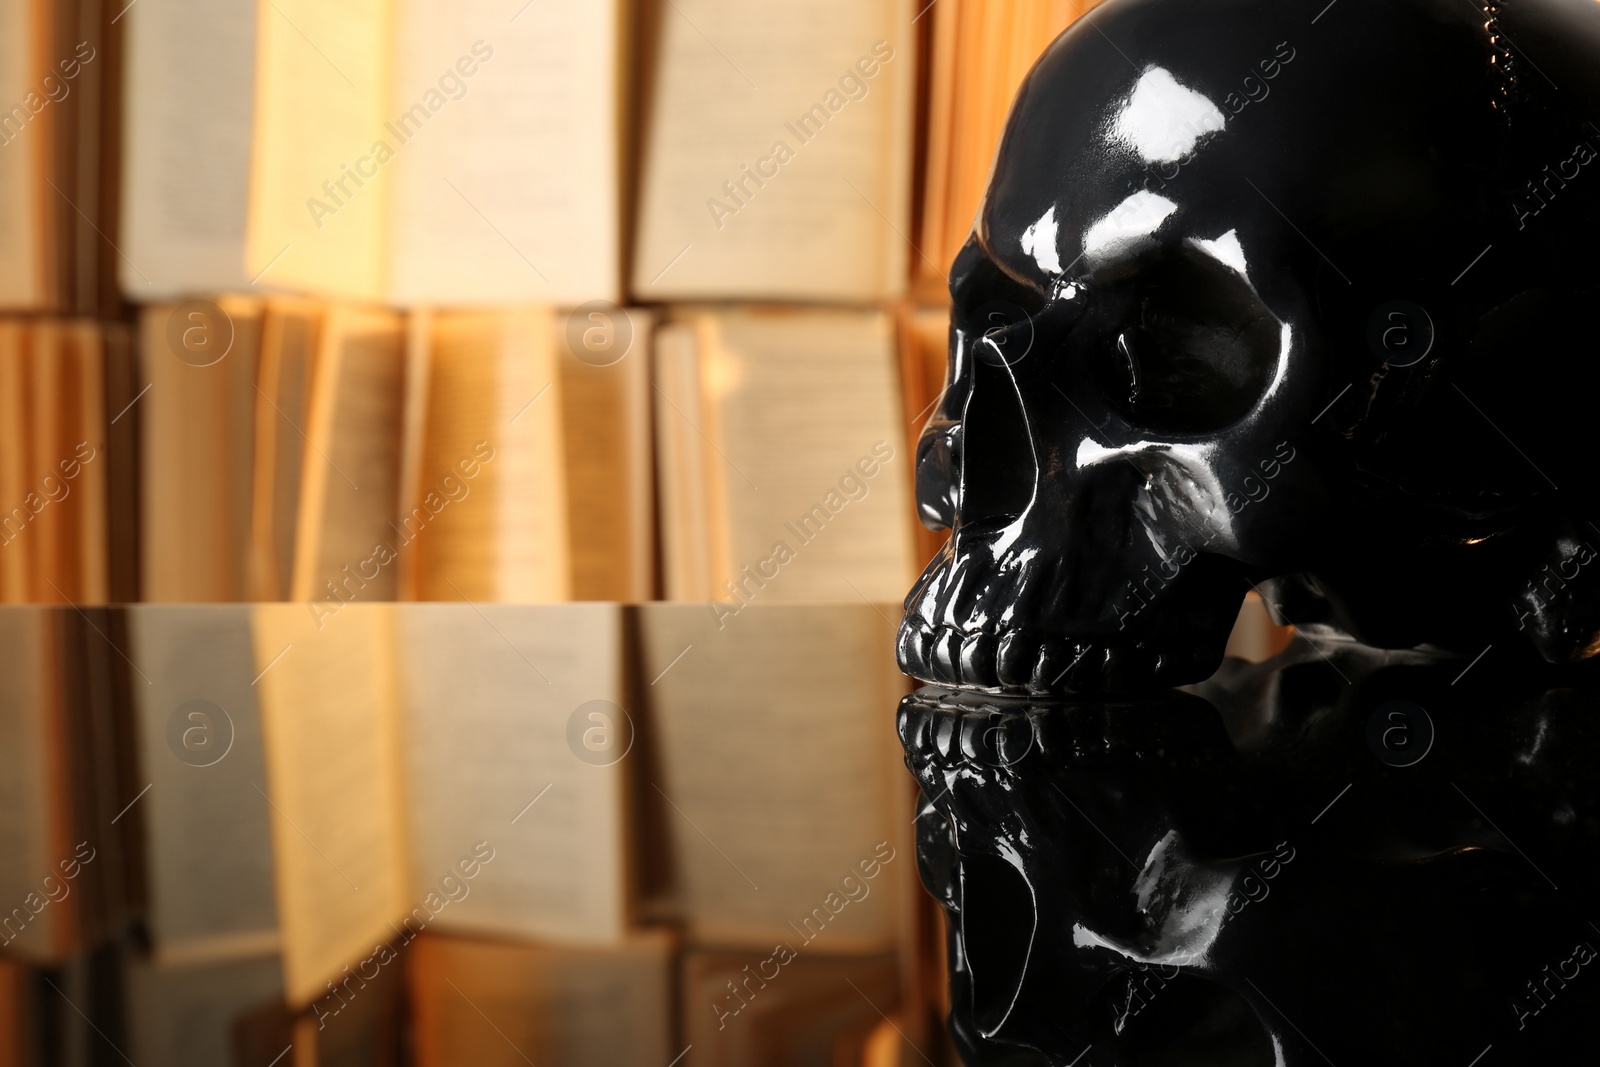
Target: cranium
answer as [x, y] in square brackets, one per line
[1261, 292]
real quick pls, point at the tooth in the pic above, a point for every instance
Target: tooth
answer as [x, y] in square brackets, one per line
[1014, 659]
[1054, 658]
[944, 732]
[945, 647]
[903, 647]
[977, 660]
[973, 726]
[913, 651]
[914, 721]
[1086, 676]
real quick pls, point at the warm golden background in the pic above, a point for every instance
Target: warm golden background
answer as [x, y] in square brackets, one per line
[608, 327]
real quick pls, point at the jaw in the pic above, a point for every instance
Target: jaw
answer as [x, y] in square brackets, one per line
[1009, 620]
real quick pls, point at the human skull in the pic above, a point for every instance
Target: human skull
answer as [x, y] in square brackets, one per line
[1257, 293]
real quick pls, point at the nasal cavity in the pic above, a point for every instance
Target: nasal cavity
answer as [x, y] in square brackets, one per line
[998, 469]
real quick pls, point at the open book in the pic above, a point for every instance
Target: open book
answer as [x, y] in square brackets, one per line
[467, 153]
[777, 152]
[781, 457]
[487, 1004]
[787, 1010]
[533, 477]
[423, 774]
[779, 792]
[196, 423]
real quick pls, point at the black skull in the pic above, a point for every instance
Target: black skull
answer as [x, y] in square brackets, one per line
[1266, 292]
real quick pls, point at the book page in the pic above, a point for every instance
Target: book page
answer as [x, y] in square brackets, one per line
[493, 1004]
[187, 99]
[332, 734]
[123, 384]
[807, 1014]
[197, 427]
[317, 206]
[506, 174]
[27, 792]
[291, 331]
[681, 466]
[815, 491]
[605, 419]
[350, 479]
[487, 519]
[777, 152]
[24, 151]
[49, 528]
[494, 697]
[779, 771]
[16, 467]
[208, 847]
[84, 455]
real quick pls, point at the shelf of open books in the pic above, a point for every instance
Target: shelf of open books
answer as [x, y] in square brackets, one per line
[456, 490]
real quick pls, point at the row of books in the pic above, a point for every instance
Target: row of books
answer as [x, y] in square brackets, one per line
[480, 153]
[452, 1001]
[249, 449]
[543, 817]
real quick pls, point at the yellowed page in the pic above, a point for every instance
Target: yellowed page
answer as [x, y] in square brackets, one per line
[24, 149]
[186, 120]
[491, 1004]
[779, 771]
[819, 219]
[208, 849]
[27, 794]
[810, 1014]
[804, 407]
[290, 335]
[331, 727]
[605, 420]
[51, 547]
[492, 694]
[350, 481]
[86, 350]
[16, 467]
[413, 432]
[506, 177]
[197, 426]
[317, 210]
[487, 520]
[681, 465]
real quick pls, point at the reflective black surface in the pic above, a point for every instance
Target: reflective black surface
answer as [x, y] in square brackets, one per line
[1292, 296]
[1343, 856]
[1273, 290]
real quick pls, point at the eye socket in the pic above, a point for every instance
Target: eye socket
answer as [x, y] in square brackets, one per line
[1189, 347]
